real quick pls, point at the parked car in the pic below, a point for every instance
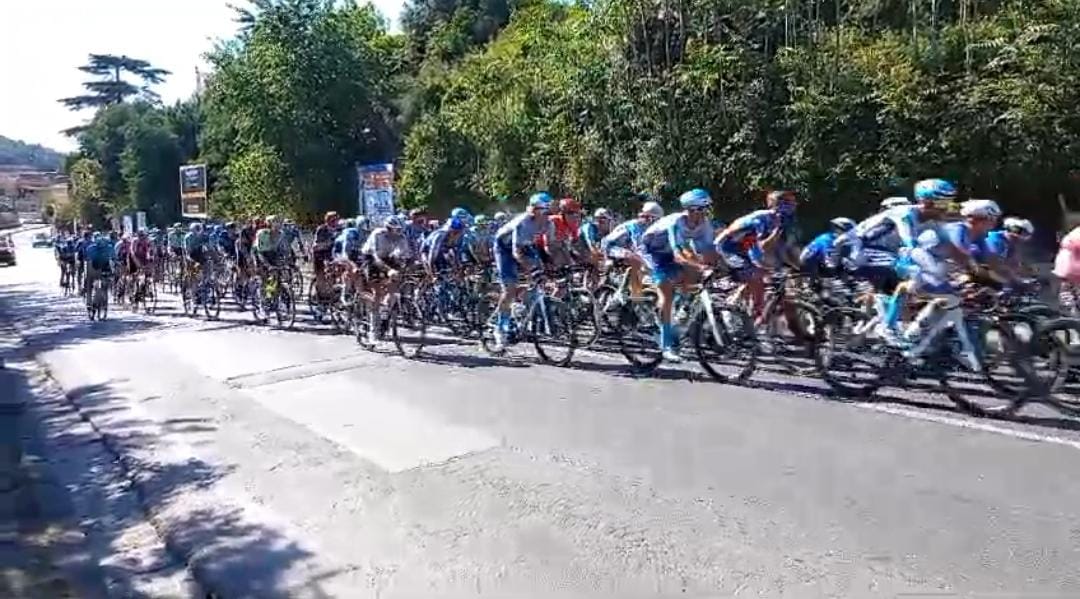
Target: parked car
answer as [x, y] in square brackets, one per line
[41, 240]
[7, 251]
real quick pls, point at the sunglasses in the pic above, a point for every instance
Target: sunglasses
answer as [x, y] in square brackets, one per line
[698, 209]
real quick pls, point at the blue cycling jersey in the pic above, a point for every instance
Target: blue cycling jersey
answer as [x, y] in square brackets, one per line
[439, 242]
[625, 236]
[673, 232]
[100, 252]
[746, 232]
[522, 230]
[347, 242]
[996, 243]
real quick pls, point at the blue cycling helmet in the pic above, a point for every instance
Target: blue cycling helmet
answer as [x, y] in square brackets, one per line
[455, 224]
[934, 190]
[542, 199]
[695, 198]
[460, 213]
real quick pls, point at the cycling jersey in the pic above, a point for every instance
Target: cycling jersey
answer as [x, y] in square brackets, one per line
[347, 244]
[325, 238]
[822, 251]
[67, 248]
[414, 234]
[996, 243]
[386, 245]
[623, 239]
[1067, 261]
[122, 248]
[590, 235]
[268, 241]
[140, 249]
[194, 242]
[438, 242]
[175, 238]
[522, 231]
[673, 232]
[884, 234]
[100, 254]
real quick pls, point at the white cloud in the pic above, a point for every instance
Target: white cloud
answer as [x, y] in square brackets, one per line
[44, 42]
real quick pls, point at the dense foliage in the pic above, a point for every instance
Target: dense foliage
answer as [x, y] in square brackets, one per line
[16, 153]
[486, 100]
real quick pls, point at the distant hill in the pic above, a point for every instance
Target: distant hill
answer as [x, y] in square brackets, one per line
[14, 152]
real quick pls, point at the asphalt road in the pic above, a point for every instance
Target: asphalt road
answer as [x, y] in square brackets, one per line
[292, 463]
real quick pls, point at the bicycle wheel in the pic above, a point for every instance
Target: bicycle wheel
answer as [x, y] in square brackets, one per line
[584, 310]
[551, 327]
[316, 306]
[1048, 352]
[848, 363]
[187, 299]
[639, 334]
[973, 392]
[284, 307]
[360, 323]
[211, 301]
[149, 298]
[727, 346]
[408, 328]
[255, 295]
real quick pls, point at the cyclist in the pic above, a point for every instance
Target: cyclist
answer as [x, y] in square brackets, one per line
[593, 231]
[673, 246]
[880, 245]
[80, 256]
[623, 243]
[195, 249]
[477, 244]
[175, 238]
[66, 248]
[140, 253]
[565, 248]
[416, 229]
[100, 255]
[822, 256]
[926, 265]
[514, 245]
[322, 248]
[441, 249]
[363, 225]
[271, 245]
[748, 241]
[1000, 250]
[385, 254]
[345, 251]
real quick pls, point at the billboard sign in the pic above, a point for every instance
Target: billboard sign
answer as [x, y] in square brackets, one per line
[193, 191]
[128, 226]
[376, 193]
[140, 221]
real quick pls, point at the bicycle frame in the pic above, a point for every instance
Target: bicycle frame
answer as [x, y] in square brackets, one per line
[953, 317]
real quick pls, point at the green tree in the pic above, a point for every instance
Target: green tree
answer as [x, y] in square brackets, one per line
[111, 87]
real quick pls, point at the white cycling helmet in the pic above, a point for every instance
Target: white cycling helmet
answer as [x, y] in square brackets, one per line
[394, 222]
[893, 202]
[843, 223]
[602, 213]
[1019, 225]
[652, 209]
[980, 209]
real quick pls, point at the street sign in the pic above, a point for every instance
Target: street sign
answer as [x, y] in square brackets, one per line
[376, 193]
[193, 191]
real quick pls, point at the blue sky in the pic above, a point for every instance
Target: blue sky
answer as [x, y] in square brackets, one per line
[43, 42]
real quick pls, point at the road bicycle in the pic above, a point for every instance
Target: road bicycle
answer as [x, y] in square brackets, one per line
[97, 302]
[199, 290]
[543, 319]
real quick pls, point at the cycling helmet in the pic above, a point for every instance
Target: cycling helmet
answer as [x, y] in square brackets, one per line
[781, 195]
[361, 222]
[602, 213]
[455, 224]
[894, 201]
[230, 225]
[501, 217]
[695, 198]
[934, 190]
[652, 210]
[843, 223]
[273, 219]
[394, 222]
[1021, 226]
[461, 213]
[349, 223]
[195, 228]
[980, 209]
[140, 233]
[480, 220]
[540, 199]
[330, 217]
[569, 206]
[415, 212]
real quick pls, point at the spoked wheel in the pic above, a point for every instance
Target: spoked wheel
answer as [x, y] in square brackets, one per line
[584, 310]
[360, 323]
[972, 390]
[407, 326]
[639, 334]
[727, 346]
[1048, 353]
[210, 300]
[551, 326]
[284, 307]
[149, 298]
[187, 299]
[255, 297]
[316, 305]
[846, 360]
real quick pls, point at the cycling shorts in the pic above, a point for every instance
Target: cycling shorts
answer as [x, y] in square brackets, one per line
[197, 255]
[663, 266]
[505, 263]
